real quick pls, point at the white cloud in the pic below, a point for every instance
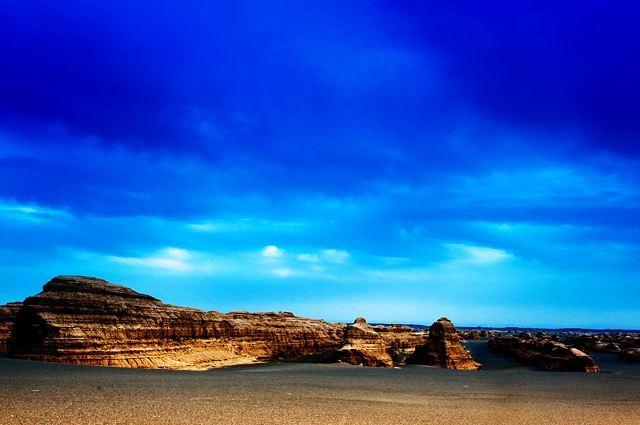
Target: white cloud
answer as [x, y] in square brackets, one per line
[282, 272]
[308, 258]
[30, 212]
[334, 255]
[169, 259]
[480, 254]
[272, 251]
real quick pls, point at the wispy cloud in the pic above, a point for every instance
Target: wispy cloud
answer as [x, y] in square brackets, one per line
[30, 212]
[334, 255]
[174, 260]
[479, 254]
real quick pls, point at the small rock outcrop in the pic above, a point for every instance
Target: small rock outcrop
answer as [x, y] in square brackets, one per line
[8, 314]
[544, 353]
[90, 321]
[444, 349]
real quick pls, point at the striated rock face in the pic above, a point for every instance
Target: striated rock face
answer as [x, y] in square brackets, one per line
[444, 349]
[8, 314]
[363, 346]
[400, 340]
[90, 321]
[544, 353]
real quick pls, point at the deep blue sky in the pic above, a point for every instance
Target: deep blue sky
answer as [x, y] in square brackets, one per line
[399, 160]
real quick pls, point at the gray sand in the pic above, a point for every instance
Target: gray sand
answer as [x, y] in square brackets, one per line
[299, 393]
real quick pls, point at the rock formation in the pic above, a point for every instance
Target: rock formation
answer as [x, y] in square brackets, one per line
[444, 349]
[89, 321]
[544, 353]
[474, 334]
[85, 320]
[631, 355]
[363, 346]
[400, 340]
[8, 314]
[625, 345]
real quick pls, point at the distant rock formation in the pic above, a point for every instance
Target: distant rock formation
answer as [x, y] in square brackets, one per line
[444, 349]
[544, 353]
[625, 345]
[632, 355]
[474, 334]
[8, 314]
[90, 321]
[363, 346]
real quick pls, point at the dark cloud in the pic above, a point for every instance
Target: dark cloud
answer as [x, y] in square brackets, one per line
[546, 65]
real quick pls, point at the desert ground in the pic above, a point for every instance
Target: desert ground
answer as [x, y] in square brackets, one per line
[304, 393]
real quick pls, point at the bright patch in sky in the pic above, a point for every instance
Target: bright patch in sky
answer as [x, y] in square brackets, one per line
[272, 251]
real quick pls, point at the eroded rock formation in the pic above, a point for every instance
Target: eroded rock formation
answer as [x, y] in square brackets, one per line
[474, 334]
[8, 314]
[86, 320]
[401, 340]
[544, 353]
[625, 345]
[444, 349]
[363, 346]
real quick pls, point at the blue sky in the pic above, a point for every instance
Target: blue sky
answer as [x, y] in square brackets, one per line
[395, 160]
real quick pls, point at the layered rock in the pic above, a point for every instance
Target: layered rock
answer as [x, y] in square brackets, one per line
[444, 349]
[544, 353]
[401, 340]
[90, 321]
[8, 314]
[363, 346]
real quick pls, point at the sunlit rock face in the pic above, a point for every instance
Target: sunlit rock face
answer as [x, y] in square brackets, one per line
[363, 346]
[444, 349]
[544, 353]
[86, 320]
[8, 314]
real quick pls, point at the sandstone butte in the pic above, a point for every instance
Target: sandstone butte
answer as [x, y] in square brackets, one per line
[544, 353]
[85, 320]
[363, 346]
[444, 348]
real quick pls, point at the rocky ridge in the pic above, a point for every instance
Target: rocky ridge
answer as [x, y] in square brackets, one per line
[85, 320]
[90, 321]
[544, 352]
[625, 345]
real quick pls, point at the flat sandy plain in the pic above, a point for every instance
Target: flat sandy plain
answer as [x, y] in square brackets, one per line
[302, 393]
